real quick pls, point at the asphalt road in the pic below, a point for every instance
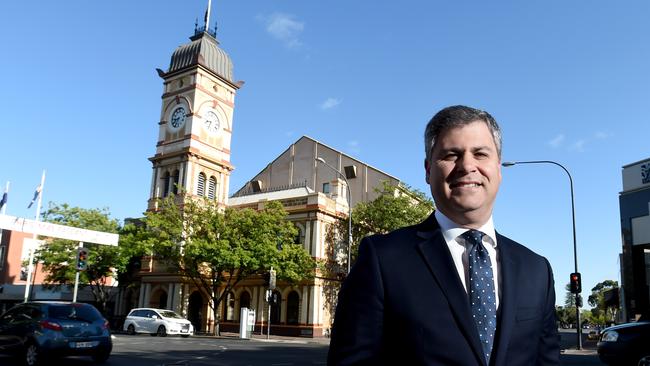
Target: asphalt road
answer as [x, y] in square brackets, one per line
[144, 350]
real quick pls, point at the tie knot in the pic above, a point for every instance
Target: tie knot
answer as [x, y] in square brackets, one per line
[473, 237]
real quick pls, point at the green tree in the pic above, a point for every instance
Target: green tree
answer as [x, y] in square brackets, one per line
[216, 249]
[58, 256]
[394, 207]
[565, 315]
[569, 298]
[603, 307]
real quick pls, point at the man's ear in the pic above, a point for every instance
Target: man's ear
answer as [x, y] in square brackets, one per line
[426, 169]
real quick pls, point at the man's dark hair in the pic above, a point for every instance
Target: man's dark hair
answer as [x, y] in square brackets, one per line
[457, 116]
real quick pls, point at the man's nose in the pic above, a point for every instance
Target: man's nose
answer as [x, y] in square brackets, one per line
[466, 163]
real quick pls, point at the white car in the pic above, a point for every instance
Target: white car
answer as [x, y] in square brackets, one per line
[158, 322]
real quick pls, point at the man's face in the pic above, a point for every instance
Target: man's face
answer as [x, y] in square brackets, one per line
[464, 172]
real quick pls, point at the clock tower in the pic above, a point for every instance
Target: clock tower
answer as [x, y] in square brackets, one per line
[196, 121]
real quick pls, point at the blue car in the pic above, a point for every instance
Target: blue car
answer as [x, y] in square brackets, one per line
[38, 330]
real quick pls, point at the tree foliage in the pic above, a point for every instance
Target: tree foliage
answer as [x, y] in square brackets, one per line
[58, 256]
[604, 309]
[217, 249]
[394, 207]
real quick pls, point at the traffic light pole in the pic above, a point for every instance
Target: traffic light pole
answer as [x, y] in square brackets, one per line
[76, 279]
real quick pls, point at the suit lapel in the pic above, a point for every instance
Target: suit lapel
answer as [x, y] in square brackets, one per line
[435, 253]
[510, 271]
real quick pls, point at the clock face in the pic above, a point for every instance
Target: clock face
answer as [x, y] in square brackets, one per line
[177, 119]
[211, 122]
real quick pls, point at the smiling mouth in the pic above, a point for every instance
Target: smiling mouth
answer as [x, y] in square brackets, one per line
[465, 185]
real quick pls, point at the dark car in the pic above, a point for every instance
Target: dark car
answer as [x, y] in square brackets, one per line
[626, 344]
[39, 330]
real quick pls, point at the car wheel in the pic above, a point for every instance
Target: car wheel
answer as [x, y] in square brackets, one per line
[644, 361]
[130, 330]
[32, 354]
[101, 356]
[162, 331]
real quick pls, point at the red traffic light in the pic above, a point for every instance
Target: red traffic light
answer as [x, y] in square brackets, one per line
[575, 283]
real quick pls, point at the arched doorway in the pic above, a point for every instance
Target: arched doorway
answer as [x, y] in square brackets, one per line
[276, 307]
[158, 299]
[293, 307]
[195, 311]
[244, 300]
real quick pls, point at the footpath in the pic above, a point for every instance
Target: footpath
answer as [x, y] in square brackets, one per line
[272, 338]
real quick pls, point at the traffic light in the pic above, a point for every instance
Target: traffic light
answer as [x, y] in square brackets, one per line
[579, 301]
[575, 283]
[82, 259]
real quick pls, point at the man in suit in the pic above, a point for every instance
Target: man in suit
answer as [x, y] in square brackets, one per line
[450, 290]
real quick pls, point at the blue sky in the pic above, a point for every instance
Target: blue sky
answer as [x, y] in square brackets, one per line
[568, 81]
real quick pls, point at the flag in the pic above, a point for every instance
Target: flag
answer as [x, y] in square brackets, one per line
[36, 194]
[3, 201]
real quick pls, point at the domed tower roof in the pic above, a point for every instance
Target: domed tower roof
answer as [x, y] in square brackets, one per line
[203, 50]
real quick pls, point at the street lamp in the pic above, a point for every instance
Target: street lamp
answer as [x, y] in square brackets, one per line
[573, 215]
[347, 185]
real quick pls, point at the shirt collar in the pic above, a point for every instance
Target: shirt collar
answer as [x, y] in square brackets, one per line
[451, 230]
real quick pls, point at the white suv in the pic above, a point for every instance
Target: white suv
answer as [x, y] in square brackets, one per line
[158, 322]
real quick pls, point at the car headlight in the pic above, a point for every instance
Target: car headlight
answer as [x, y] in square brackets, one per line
[610, 336]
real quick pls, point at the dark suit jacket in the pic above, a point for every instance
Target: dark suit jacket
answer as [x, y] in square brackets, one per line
[404, 304]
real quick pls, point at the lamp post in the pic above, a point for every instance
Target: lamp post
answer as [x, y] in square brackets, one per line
[347, 185]
[573, 216]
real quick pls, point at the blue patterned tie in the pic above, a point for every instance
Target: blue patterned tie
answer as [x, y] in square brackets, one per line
[481, 291]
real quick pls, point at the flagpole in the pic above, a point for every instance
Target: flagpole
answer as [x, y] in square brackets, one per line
[31, 251]
[4, 205]
[4, 211]
[207, 17]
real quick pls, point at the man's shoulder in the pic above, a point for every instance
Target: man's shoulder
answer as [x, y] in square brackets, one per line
[397, 237]
[518, 249]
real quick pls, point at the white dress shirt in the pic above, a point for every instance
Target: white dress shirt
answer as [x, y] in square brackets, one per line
[460, 250]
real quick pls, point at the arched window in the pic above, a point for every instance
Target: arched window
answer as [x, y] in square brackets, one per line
[200, 187]
[229, 307]
[166, 181]
[175, 182]
[293, 308]
[300, 236]
[212, 188]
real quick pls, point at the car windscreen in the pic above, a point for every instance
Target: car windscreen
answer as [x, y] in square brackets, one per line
[170, 314]
[74, 312]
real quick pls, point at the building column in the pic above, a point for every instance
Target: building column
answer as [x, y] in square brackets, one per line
[170, 296]
[308, 246]
[304, 299]
[141, 296]
[147, 295]
[178, 295]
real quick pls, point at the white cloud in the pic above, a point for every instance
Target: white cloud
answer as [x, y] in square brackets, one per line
[601, 135]
[556, 141]
[284, 28]
[353, 146]
[579, 145]
[330, 103]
